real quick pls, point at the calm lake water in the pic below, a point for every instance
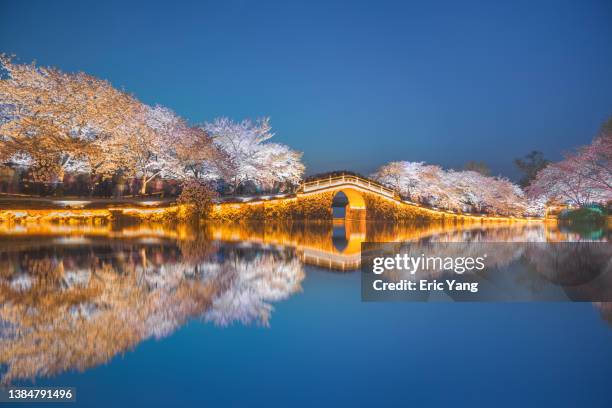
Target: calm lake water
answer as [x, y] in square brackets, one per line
[271, 315]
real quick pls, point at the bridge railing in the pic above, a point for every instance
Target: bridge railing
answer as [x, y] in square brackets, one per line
[315, 185]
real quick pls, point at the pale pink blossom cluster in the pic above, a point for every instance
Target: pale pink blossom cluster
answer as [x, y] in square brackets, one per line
[463, 191]
[582, 177]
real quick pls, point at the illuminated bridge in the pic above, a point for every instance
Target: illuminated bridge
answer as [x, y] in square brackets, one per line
[348, 182]
[352, 186]
[360, 193]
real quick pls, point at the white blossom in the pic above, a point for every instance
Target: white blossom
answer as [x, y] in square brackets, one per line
[251, 157]
[464, 191]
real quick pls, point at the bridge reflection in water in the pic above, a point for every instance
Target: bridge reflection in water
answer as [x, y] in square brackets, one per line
[334, 246]
[337, 246]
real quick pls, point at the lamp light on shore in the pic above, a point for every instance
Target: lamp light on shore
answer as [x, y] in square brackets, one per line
[71, 203]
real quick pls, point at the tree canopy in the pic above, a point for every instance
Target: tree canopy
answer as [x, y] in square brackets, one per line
[53, 123]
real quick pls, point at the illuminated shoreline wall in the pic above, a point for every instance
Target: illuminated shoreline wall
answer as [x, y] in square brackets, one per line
[303, 207]
[317, 207]
[92, 216]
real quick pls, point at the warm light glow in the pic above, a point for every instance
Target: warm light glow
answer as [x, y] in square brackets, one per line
[310, 205]
[71, 203]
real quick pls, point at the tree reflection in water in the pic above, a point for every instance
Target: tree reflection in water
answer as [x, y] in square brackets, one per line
[73, 297]
[76, 303]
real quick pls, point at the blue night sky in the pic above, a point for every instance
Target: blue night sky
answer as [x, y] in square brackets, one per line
[353, 85]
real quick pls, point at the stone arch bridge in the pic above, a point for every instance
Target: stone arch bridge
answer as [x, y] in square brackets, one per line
[354, 187]
[367, 199]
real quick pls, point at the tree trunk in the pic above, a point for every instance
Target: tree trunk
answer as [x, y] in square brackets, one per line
[143, 188]
[92, 184]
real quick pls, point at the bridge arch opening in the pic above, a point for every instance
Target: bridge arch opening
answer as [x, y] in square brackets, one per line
[339, 203]
[349, 204]
[339, 238]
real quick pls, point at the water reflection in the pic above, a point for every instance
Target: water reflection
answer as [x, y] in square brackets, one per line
[74, 302]
[73, 297]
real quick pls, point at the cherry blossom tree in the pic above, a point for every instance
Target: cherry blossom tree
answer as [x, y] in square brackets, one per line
[150, 147]
[453, 190]
[414, 180]
[567, 181]
[278, 164]
[582, 177]
[250, 158]
[54, 117]
[597, 158]
[201, 157]
[52, 123]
